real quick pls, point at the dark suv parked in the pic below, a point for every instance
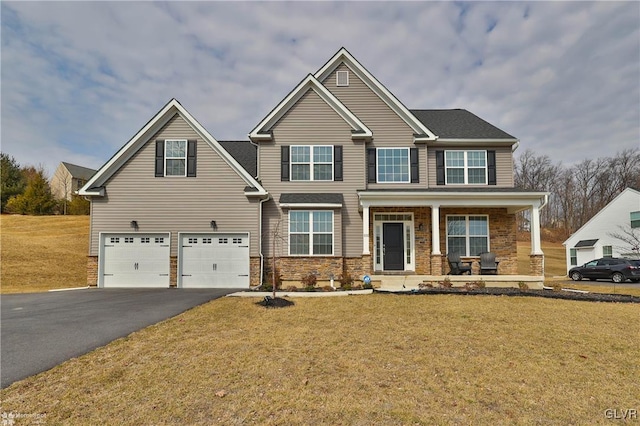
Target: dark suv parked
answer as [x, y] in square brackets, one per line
[611, 268]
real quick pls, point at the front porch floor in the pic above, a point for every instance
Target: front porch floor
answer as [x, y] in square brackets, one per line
[410, 282]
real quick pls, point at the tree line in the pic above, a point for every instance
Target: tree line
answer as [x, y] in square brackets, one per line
[579, 191]
[26, 190]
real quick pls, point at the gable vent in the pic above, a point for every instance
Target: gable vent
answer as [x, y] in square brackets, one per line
[342, 78]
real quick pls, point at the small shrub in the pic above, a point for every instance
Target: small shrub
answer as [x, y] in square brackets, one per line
[327, 288]
[268, 278]
[292, 288]
[446, 283]
[367, 286]
[523, 286]
[309, 281]
[425, 285]
[557, 287]
[346, 281]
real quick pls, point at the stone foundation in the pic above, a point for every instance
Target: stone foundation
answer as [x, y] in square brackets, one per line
[173, 272]
[437, 261]
[92, 271]
[536, 264]
[254, 271]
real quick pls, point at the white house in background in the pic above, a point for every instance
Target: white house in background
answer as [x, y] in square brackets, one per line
[592, 240]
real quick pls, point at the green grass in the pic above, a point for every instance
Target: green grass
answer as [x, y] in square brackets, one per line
[379, 359]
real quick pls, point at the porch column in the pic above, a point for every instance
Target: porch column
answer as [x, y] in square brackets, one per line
[536, 247]
[365, 229]
[435, 230]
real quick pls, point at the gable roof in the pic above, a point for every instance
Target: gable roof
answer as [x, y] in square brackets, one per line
[78, 172]
[459, 124]
[263, 130]
[173, 107]
[245, 153]
[327, 200]
[422, 132]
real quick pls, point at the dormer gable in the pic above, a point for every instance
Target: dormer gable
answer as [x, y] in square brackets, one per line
[263, 131]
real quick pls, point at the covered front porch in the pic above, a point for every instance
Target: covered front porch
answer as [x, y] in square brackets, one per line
[410, 232]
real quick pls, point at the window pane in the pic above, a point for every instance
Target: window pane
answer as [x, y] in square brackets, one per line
[454, 158]
[393, 165]
[477, 176]
[323, 154]
[573, 254]
[300, 172]
[476, 159]
[299, 244]
[635, 219]
[175, 168]
[455, 176]
[456, 225]
[457, 245]
[607, 251]
[300, 154]
[322, 172]
[477, 245]
[478, 225]
[322, 243]
[175, 149]
[299, 222]
[322, 221]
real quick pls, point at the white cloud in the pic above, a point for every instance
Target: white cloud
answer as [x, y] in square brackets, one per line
[80, 78]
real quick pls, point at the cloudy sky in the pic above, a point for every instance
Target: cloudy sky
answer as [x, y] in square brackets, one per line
[79, 79]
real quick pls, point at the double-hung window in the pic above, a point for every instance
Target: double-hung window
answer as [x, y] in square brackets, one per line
[635, 219]
[175, 157]
[468, 235]
[311, 162]
[310, 233]
[393, 165]
[466, 167]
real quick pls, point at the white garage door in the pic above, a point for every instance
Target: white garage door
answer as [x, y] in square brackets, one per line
[135, 260]
[213, 260]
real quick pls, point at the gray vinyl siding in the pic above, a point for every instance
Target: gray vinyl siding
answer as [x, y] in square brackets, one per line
[389, 130]
[175, 204]
[312, 122]
[504, 164]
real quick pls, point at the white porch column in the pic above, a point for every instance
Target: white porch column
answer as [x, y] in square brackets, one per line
[365, 229]
[435, 229]
[536, 247]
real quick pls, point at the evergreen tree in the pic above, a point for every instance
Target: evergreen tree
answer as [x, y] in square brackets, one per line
[37, 198]
[12, 181]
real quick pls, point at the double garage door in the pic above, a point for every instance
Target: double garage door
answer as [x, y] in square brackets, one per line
[211, 260]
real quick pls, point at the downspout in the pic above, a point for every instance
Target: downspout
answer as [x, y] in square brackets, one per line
[260, 240]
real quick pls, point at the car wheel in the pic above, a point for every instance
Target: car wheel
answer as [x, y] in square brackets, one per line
[617, 277]
[576, 276]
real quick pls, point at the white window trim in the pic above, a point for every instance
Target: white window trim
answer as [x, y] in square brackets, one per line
[378, 236]
[408, 166]
[466, 235]
[311, 163]
[466, 167]
[186, 148]
[311, 233]
[343, 72]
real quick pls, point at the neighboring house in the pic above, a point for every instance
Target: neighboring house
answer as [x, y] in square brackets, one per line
[344, 179]
[68, 179]
[592, 240]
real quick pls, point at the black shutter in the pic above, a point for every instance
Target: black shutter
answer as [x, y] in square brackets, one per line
[159, 158]
[491, 167]
[415, 176]
[440, 168]
[284, 163]
[371, 165]
[337, 163]
[191, 158]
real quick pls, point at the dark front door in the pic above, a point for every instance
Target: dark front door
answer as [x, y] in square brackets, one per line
[393, 246]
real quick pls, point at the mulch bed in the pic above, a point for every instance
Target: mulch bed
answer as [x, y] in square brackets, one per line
[278, 302]
[551, 294]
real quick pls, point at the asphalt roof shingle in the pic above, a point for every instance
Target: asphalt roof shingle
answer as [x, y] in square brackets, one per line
[310, 198]
[244, 153]
[458, 124]
[79, 172]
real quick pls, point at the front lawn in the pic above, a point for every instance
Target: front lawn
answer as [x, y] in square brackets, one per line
[379, 359]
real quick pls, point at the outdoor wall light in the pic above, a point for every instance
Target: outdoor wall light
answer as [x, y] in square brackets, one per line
[213, 224]
[420, 227]
[134, 224]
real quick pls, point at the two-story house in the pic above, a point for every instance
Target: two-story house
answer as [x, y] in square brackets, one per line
[340, 177]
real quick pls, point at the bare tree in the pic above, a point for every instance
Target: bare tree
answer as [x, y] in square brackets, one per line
[629, 241]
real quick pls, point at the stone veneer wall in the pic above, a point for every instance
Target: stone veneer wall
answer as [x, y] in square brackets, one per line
[536, 264]
[254, 271]
[92, 271]
[173, 271]
[502, 233]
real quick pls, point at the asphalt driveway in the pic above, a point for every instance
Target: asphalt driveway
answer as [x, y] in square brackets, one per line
[42, 330]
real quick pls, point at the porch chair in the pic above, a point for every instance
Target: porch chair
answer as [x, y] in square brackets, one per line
[488, 263]
[456, 266]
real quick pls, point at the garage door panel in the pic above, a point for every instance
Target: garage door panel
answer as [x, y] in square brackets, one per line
[214, 261]
[135, 260]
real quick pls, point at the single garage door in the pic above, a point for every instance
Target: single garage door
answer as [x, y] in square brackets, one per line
[135, 260]
[213, 260]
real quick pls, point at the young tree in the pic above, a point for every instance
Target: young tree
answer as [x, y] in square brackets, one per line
[12, 181]
[37, 198]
